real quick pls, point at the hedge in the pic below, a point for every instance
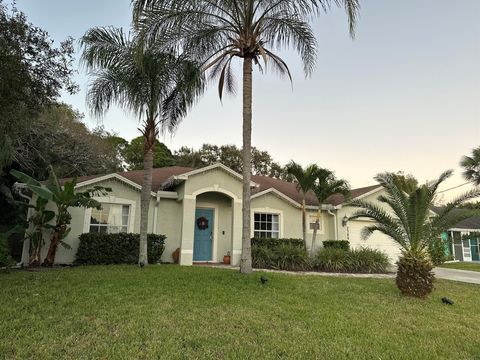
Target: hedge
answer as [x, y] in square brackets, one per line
[122, 248]
[281, 254]
[273, 243]
[361, 260]
[337, 244]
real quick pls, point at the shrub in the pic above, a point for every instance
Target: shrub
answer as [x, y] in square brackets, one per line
[273, 243]
[122, 248]
[365, 260]
[6, 260]
[332, 260]
[337, 244]
[361, 260]
[436, 250]
[415, 276]
[280, 254]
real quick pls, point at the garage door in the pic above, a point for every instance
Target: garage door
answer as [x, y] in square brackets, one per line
[377, 240]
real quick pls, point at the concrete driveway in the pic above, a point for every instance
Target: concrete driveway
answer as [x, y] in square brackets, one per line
[472, 277]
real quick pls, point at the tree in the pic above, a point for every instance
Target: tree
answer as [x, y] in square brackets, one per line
[471, 166]
[325, 186]
[59, 138]
[217, 31]
[305, 179]
[407, 183]
[32, 73]
[133, 154]
[157, 87]
[412, 225]
[63, 197]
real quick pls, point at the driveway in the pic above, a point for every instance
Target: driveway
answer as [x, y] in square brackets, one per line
[472, 277]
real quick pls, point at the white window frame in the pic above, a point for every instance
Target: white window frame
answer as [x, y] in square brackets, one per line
[266, 210]
[112, 200]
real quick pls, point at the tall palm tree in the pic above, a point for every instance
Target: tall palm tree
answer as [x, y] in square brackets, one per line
[411, 224]
[217, 31]
[325, 186]
[305, 179]
[157, 87]
[471, 166]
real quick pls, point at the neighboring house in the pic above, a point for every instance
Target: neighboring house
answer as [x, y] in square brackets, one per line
[463, 239]
[200, 212]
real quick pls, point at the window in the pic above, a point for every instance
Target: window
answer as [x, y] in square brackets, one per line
[266, 225]
[113, 218]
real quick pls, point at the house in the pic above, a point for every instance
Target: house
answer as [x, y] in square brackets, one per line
[200, 212]
[463, 239]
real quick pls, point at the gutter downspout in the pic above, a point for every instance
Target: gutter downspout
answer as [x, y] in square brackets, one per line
[335, 228]
[155, 213]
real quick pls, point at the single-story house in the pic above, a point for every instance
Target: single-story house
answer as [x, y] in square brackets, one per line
[200, 212]
[463, 239]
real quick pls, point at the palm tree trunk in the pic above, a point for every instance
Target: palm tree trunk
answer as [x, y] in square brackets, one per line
[145, 196]
[54, 242]
[246, 259]
[314, 236]
[304, 224]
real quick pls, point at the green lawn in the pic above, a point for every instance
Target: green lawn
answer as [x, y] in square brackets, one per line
[463, 266]
[123, 312]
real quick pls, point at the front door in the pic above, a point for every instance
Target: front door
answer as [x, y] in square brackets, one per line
[474, 249]
[202, 242]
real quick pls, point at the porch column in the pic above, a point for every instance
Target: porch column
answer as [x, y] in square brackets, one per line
[236, 231]
[188, 228]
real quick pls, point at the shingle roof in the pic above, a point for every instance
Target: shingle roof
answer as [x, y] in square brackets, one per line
[471, 223]
[160, 175]
[337, 199]
[287, 188]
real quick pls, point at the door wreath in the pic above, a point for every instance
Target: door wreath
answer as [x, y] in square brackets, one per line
[202, 223]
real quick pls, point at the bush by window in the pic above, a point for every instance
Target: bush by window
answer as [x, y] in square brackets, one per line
[121, 248]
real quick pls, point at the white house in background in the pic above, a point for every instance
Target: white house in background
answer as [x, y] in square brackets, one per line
[200, 212]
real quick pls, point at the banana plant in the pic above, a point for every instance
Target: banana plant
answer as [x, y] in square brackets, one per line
[63, 198]
[40, 222]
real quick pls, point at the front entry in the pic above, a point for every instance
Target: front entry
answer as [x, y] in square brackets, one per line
[202, 242]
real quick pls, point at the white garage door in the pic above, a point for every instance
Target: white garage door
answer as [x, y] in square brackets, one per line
[377, 240]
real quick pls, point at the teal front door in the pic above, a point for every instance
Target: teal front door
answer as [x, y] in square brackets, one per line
[203, 235]
[474, 249]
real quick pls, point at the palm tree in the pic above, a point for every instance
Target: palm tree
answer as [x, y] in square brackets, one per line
[157, 87]
[305, 179]
[471, 166]
[325, 186]
[217, 31]
[412, 225]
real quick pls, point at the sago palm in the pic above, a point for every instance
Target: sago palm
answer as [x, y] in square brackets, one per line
[325, 186]
[471, 166]
[408, 220]
[305, 179]
[218, 31]
[157, 87]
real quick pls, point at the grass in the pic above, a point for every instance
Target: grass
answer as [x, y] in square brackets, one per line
[123, 312]
[462, 266]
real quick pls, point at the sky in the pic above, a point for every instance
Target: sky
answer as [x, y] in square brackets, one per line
[404, 95]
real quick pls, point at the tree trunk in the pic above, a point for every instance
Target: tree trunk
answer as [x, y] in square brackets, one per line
[246, 259]
[54, 242]
[145, 196]
[314, 236]
[304, 224]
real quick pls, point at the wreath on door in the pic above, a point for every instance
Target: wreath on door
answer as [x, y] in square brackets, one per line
[202, 223]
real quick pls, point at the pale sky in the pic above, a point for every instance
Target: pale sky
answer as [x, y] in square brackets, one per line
[404, 95]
